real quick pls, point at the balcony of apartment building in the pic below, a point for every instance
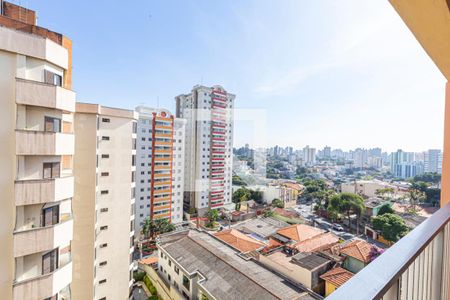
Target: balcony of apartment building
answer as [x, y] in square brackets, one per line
[43, 179]
[45, 94]
[42, 227]
[418, 265]
[44, 275]
[44, 131]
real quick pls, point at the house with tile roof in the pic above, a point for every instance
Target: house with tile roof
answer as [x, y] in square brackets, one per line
[239, 240]
[335, 278]
[357, 255]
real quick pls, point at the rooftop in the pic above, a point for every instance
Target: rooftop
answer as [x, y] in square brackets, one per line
[227, 275]
[337, 276]
[263, 227]
[317, 243]
[358, 249]
[299, 232]
[239, 241]
[309, 261]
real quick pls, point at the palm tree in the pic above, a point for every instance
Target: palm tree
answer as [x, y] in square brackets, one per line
[347, 203]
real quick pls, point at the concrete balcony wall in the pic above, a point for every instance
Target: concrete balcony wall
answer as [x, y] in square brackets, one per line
[44, 286]
[44, 143]
[43, 190]
[34, 46]
[42, 239]
[46, 95]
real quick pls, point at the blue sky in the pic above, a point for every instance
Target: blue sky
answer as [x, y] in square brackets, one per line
[340, 73]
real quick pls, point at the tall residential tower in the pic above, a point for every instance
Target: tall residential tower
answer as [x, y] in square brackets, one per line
[159, 166]
[103, 205]
[36, 177]
[209, 143]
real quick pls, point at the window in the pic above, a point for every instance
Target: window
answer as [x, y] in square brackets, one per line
[105, 155]
[52, 78]
[176, 269]
[104, 245]
[50, 261]
[50, 215]
[103, 227]
[186, 282]
[102, 281]
[104, 192]
[105, 138]
[105, 209]
[106, 120]
[51, 170]
[104, 174]
[103, 263]
[170, 263]
[52, 124]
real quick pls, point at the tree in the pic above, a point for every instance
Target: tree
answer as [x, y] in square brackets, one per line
[277, 203]
[385, 193]
[268, 213]
[385, 209]
[153, 227]
[392, 227]
[416, 193]
[236, 180]
[347, 204]
[213, 216]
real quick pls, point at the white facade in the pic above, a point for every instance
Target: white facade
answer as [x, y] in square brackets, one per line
[309, 156]
[103, 205]
[36, 174]
[147, 136]
[209, 143]
[433, 161]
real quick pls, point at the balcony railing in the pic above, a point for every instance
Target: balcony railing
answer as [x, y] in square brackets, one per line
[44, 286]
[36, 93]
[41, 239]
[29, 142]
[37, 191]
[416, 267]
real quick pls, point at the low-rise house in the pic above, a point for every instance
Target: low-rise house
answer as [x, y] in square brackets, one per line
[335, 278]
[239, 240]
[304, 238]
[358, 254]
[304, 268]
[261, 228]
[373, 205]
[200, 266]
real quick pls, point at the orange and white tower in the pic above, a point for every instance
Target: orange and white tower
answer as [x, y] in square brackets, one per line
[160, 166]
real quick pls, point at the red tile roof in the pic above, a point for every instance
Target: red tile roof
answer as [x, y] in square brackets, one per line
[337, 276]
[359, 250]
[149, 260]
[238, 240]
[319, 242]
[299, 232]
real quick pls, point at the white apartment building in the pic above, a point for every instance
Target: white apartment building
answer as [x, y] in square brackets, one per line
[209, 143]
[159, 166]
[433, 161]
[103, 206]
[36, 177]
[309, 156]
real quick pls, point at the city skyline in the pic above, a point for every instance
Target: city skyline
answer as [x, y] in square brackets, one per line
[362, 93]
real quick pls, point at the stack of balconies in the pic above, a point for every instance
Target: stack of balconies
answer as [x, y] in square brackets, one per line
[218, 147]
[43, 191]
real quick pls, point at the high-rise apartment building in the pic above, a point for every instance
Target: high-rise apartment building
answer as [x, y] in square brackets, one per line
[36, 177]
[103, 205]
[433, 161]
[309, 156]
[209, 143]
[159, 166]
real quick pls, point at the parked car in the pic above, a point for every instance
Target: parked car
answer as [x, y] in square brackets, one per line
[337, 227]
